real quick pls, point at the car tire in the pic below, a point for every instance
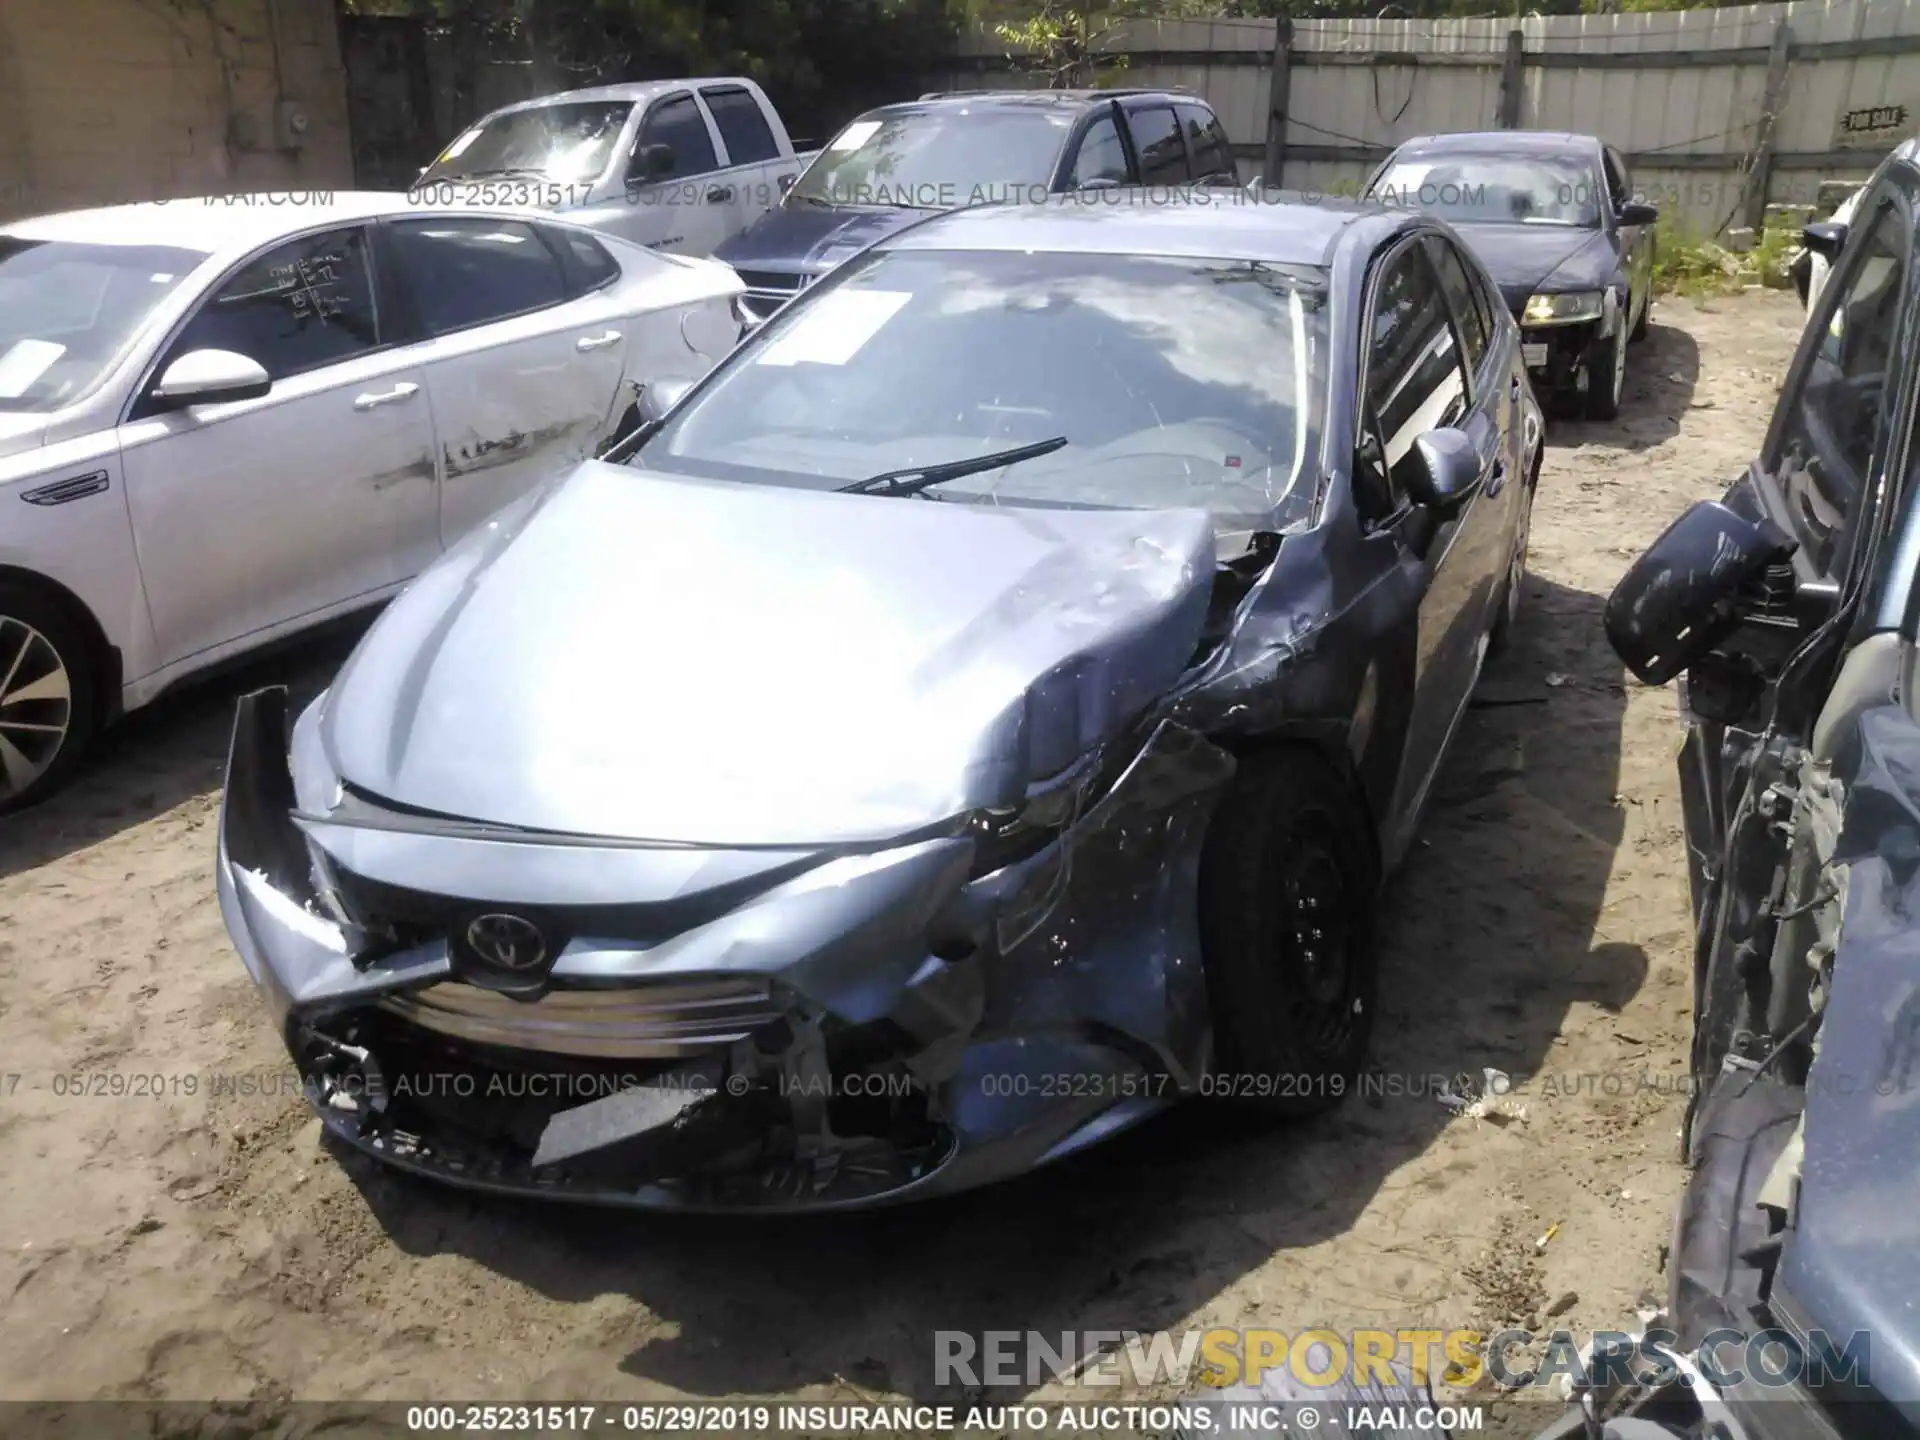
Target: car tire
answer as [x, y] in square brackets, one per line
[1646, 318]
[1606, 377]
[1288, 883]
[42, 653]
[1508, 615]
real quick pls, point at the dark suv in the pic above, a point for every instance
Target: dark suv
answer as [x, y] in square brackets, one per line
[945, 151]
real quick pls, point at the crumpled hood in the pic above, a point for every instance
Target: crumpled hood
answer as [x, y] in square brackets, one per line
[802, 239]
[632, 655]
[1525, 260]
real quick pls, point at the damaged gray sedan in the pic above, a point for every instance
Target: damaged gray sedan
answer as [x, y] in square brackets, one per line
[978, 715]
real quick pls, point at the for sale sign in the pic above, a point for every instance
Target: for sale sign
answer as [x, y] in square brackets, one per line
[1872, 125]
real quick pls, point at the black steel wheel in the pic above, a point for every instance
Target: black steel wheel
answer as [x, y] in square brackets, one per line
[1287, 893]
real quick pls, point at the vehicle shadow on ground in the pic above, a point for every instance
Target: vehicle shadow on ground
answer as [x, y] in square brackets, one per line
[166, 754]
[1490, 940]
[1662, 372]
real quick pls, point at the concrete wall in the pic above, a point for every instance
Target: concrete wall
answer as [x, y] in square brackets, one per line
[108, 101]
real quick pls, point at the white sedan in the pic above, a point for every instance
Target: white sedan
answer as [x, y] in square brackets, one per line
[222, 421]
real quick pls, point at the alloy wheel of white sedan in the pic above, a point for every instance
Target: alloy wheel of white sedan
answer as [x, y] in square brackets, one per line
[36, 706]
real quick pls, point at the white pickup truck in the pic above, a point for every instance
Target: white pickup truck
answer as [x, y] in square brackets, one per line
[675, 165]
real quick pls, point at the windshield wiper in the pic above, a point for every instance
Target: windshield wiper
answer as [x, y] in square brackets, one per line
[916, 478]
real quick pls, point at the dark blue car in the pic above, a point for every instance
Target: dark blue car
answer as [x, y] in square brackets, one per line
[1554, 218]
[942, 152]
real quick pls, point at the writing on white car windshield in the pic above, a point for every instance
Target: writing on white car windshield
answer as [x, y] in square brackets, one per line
[567, 142]
[69, 311]
[1469, 188]
[1173, 383]
[939, 159]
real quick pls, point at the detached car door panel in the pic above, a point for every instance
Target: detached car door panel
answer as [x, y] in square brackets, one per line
[251, 514]
[522, 371]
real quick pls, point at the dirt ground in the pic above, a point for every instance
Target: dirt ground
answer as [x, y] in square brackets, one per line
[200, 1242]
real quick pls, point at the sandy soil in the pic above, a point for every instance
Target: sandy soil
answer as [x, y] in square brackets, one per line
[200, 1242]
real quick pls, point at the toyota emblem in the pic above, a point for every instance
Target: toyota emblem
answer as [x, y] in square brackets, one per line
[508, 942]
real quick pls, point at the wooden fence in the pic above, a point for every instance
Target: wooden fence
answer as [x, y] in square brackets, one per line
[1719, 112]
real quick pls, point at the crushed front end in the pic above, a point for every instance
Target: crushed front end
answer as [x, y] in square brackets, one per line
[677, 1026]
[1566, 337]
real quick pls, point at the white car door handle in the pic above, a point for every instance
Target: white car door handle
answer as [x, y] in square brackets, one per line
[402, 391]
[597, 342]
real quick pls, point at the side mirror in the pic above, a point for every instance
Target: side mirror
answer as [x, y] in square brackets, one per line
[1825, 238]
[1445, 469]
[1680, 598]
[651, 162]
[1634, 212]
[211, 377]
[659, 397]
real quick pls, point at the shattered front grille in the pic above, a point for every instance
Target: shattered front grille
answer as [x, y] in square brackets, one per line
[657, 1020]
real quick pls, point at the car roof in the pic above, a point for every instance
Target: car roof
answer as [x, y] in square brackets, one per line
[234, 225]
[1199, 223]
[633, 91]
[1066, 101]
[1521, 142]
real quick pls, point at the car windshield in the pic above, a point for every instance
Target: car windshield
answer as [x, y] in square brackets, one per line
[68, 312]
[939, 159]
[1470, 188]
[1175, 383]
[573, 141]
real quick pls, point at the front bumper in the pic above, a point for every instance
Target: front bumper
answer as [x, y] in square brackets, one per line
[1558, 357]
[726, 1030]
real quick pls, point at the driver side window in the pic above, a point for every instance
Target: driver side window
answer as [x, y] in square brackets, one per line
[678, 124]
[1415, 380]
[302, 305]
[1101, 156]
[1830, 427]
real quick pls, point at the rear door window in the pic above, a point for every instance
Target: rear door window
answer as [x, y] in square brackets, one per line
[743, 128]
[1156, 139]
[1212, 152]
[463, 272]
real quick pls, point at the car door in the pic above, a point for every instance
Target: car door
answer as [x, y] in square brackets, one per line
[698, 203]
[1415, 380]
[1158, 143]
[750, 155]
[1824, 476]
[1494, 424]
[256, 513]
[523, 360]
[1635, 241]
[1207, 144]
